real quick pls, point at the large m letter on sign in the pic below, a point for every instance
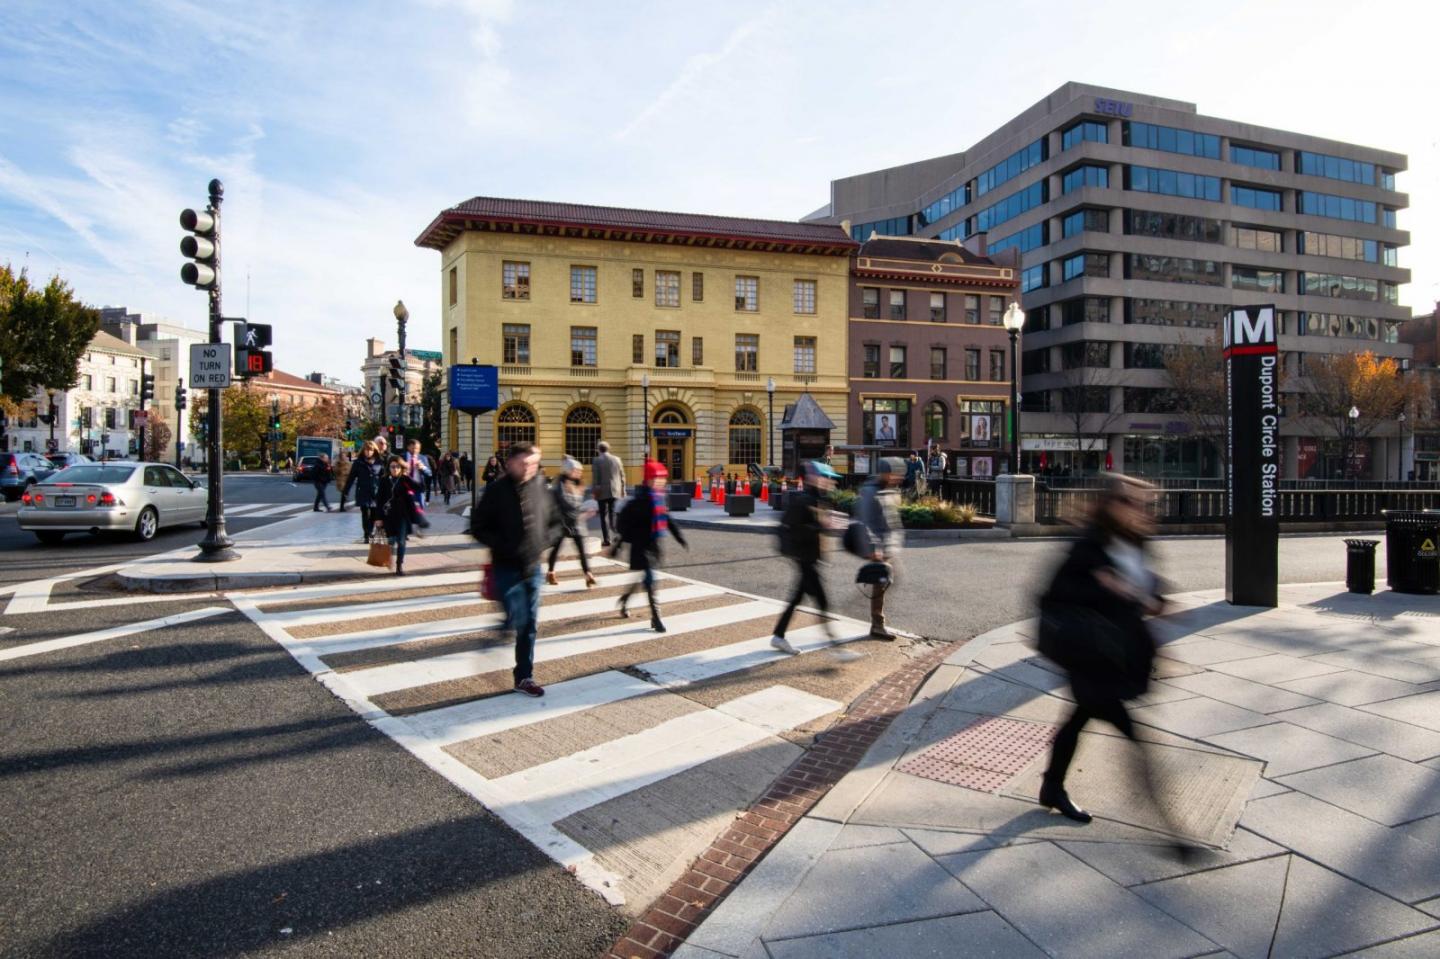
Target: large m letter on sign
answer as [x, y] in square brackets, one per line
[1252, 436]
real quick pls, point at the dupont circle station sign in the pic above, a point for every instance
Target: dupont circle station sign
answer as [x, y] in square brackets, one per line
[1252, 436]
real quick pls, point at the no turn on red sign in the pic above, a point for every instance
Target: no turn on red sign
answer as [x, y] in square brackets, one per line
[209, 366]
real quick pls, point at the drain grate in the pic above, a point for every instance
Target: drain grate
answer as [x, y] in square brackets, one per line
[985, 755]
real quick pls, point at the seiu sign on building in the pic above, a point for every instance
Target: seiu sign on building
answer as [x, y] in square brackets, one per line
[1114, 108]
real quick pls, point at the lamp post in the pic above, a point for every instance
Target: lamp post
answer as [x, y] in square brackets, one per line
[1352, 416]
[1400, 452]
[1014, 321]
[402, 316]
[770, 420]
[274, 431]
[645, 402]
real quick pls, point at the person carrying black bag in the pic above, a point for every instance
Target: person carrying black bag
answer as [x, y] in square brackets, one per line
[1092, 623]
[800, 532]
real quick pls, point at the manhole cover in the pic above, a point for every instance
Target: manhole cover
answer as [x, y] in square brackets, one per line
[985, 755]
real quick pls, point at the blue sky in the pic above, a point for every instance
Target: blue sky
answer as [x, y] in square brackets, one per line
[342, 128]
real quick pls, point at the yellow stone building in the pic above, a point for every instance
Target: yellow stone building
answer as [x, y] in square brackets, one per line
[607, 321]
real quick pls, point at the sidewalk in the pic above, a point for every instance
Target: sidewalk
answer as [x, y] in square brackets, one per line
[703, 514]
[1301, 744]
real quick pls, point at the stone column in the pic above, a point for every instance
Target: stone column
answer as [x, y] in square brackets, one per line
[1014, 499]
[1290, 457]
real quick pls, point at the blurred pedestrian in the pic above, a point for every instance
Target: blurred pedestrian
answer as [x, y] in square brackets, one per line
[446, 471]
[491, 472]
[396, 503]
[1092, 623]
[800, 539]
[609, 475]
[342, 474]
[569, 495]
[365, 476]
[937, 465]
[515, 520]
[644, 524]
[466, 471]
[914, 475]
[321, 476]
[878, 509]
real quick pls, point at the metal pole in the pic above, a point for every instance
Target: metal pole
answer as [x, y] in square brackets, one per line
[646, 401]
[474, 466]
[770, 429]
[216, 547]
[142, 409]
[1014, 408]
[52, 421]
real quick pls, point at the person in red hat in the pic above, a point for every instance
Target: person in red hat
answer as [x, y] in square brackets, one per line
[644, 523]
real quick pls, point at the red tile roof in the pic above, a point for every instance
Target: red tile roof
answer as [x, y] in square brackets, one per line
[290, 381]
[605, 222]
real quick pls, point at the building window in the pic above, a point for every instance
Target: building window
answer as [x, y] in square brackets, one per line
[937, 307]
[514, 281]
[997, 365]
[1260, 281]
[885, 422]
[110, 418]
[515, 424]
[1335, 168]
[582, 284]
[1085, 130]
[895, 226]
[637, 349]
[1255, 198]
[582, 433]
[897, 363]
[972, 364]
[1011, 207]
[1173, 269]
[1085, 264]
[982, 423]
[804, 296]
[871, 362]
[747, 293]
[1254, 156]
[454, 344]
[109, 384]
[1083, 176]
[1033, 278]
[1011, 167]
[454, 286]
[1092, 354]
[1341, 247]
[697, 287]
[1172, 183]
[667, 348]
[515, 346]
[805, 354]
[1338, 285]
[897, 304]
[1174, 226]
[1200, 316]
[697, 351]
[972, 309]
[937, 362]
[1254, 238]
[870, 303]
[935, 421]
[997, 311]
[637, 284]
[744, 436]
[747, 352]
[582, 345]
[1086, 220]
[1086, 309]
[1337, 207]
[1024, 240]
[1149, 136]
[85, 382]
[667, 288]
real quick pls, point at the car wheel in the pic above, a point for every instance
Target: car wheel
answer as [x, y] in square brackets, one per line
[147, 524]
[49, 536]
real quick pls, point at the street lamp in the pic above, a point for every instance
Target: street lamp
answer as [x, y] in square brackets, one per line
[1014, 321]
[645, 393]
[1353, 415]
[1400, 452]
[402, 316]
[770, 420]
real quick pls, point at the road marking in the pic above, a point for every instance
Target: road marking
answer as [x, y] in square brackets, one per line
[277, 510]
[241, 508]
[718, 660]
[84, 639]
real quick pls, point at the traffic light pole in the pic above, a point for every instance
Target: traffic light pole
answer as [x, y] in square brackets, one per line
[141, 450]
[216, 547]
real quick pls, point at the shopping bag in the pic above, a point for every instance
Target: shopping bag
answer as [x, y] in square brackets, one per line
[379, 555]
[487, 583]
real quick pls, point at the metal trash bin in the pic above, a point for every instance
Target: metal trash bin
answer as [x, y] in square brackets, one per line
[1412, 559]
[1360, 565]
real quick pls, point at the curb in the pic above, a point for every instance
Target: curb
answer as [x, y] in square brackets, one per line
[680, 910]
[207, 582]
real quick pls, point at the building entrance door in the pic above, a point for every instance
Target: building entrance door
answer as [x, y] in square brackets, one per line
[671, 452]
[671, 436]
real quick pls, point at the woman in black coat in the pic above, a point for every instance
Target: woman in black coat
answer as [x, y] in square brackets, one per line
[365, 475]
[397, 512]
[1092, 622]
[643, 523]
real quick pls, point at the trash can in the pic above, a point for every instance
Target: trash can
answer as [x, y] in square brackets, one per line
[1360, 565]
[1411, 557]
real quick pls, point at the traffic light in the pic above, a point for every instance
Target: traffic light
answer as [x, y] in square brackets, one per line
[180, 395]
[397, 376]
[147, 387]
[200, 248]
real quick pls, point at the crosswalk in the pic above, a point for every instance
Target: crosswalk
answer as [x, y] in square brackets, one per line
[254, 510]
[627, 712]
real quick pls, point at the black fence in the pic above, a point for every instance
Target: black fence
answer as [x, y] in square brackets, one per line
[1312, 504]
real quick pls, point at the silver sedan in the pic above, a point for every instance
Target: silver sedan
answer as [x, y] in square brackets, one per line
[136, 498]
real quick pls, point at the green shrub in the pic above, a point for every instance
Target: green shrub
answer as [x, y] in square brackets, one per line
[914, 515]
[844, 500]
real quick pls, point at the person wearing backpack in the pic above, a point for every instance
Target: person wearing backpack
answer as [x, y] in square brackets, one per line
[644, 523]
[878, 511]
[800, 531]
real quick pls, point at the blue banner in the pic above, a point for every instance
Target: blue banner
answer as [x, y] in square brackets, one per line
[474, 388]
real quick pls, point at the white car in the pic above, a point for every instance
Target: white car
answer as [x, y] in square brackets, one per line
[136, 498]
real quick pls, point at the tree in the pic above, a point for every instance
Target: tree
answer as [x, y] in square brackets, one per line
[430, 393]
[157, 438]
[1336, 383]
[43, 334]
[1086, 405]
[244, 418]
[1196, 371]
[326, 418]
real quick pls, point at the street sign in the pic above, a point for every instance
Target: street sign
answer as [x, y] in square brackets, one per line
[474, 388]
[1252, 480]
[209, 366]
[142, 419]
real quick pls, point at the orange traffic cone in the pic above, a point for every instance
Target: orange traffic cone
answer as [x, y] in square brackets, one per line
[721, 500]
[764, 493]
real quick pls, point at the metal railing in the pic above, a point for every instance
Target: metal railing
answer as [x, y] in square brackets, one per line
[1311, 504]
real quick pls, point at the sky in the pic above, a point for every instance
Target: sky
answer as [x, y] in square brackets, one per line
[341, 129]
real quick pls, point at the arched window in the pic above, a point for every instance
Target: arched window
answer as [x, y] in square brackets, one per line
[582, 432]
[515, 424]
[744, 437]
[935, 421]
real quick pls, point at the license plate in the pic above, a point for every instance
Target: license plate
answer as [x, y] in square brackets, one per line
[62, 502]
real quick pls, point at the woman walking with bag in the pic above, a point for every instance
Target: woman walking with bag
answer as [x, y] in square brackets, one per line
[643, 523]
[365, 475]
[1092, 622]
[397, 510]
[569, 494]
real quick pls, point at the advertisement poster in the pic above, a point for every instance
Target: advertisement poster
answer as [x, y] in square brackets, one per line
[980, 428]
[862, 463]
[984, 467]
[962, 467]
[885, 429]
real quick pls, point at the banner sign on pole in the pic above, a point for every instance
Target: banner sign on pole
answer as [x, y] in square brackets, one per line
[1252, 436]
[474, 388]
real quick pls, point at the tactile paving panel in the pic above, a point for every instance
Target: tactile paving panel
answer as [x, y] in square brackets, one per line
[985, 755]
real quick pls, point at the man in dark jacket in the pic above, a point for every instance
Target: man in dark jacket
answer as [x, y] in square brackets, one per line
[800, 532]
[643, 523]
[514, 519]
[321, 476]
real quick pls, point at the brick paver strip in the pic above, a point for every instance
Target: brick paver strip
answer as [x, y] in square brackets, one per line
[671, 918]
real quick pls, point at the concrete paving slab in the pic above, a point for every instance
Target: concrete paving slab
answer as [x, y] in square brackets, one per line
[1426, 946]
[1063, 920]
[1027, 673]
[1133, 863]
[1265, 787]
[1326, 913]
[944, 842]
[1241, 692]
[978, 692]
[1382, 788]
[1431, 907]
[688, 951]
[983, 934]
[1198, 718]
[1419, 710]
[1204, 652]
[1349, 688]
[1367, 729]
[1276, 668]
[1289, 749]
[873, 886]
[1381, 665]
[856, 837]
[1425, 831]
[1371, 854]
[1236, 906]
[1164, 668]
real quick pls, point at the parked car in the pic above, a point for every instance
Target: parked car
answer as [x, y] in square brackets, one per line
[20, 471]
[305, 469]
[138, 498]
[62, 460]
